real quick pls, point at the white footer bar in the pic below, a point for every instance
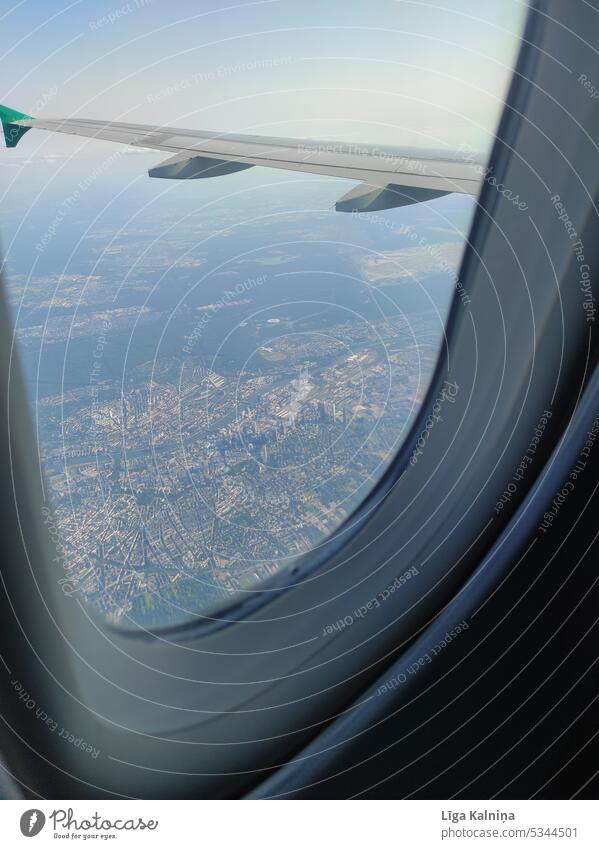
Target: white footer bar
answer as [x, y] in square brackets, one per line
[294, 824]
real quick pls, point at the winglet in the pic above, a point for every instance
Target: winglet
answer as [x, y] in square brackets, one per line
[13, 133]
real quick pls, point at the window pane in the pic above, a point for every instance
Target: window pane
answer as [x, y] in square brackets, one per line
[221, 370]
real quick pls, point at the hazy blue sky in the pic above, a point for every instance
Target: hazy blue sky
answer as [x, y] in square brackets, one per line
[388, 71]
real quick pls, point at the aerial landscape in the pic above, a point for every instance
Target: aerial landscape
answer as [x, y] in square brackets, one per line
[218, 387]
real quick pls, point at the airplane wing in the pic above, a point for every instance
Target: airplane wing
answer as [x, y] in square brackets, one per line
[388, 176]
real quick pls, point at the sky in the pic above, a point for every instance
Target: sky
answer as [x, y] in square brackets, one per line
[385, 71]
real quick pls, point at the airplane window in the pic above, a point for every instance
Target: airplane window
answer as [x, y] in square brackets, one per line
[220, 370]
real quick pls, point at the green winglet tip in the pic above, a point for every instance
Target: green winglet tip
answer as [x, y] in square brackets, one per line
[13, 133]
